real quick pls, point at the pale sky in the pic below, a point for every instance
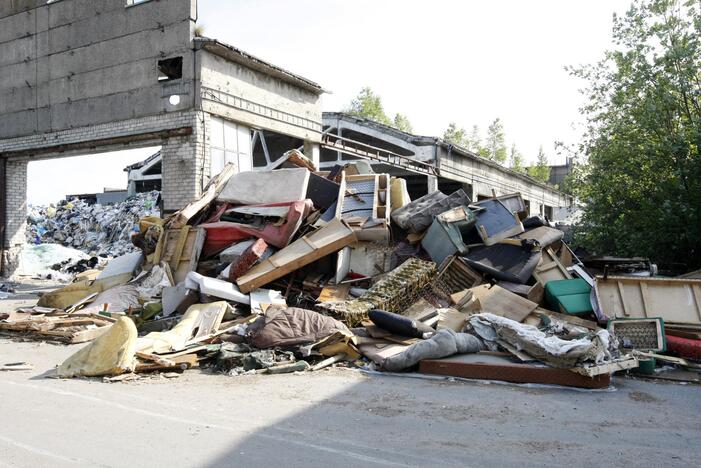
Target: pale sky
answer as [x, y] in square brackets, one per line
[436, 62]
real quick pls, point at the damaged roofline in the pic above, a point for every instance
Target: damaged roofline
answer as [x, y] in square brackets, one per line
[422, 140]
[234, 54]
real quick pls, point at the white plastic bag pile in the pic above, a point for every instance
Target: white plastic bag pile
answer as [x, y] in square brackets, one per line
[95, 229]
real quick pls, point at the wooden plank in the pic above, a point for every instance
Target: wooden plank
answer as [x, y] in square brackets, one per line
[492, 367]
[329, 239]
[623, 299]
[210, 193]
[550, 269]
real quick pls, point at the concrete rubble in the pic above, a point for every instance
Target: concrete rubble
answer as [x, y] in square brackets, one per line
[246, 279]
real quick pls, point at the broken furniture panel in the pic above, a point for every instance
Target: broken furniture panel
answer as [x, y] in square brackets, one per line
[275, 223]
[570, 296]
[210, 193]
[505, 262]
[322, 191]
[498, 301]
[545, 236]
[329, 239]
[448, 233]
[363, 258]
[495, 221]
[534, 292]
[365, 200]
[640, 334]
[266, 187]
[418, 215]
[493, 366]
[180, 249]
[395, 292]
[672, 299]
[514, 202]
[457, 275]
[549, 268]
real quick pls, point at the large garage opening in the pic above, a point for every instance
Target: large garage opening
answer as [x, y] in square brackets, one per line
[82, 210]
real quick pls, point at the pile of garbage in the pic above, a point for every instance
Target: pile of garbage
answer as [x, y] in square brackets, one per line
[294, 270]
[54, 262]
[98, 230]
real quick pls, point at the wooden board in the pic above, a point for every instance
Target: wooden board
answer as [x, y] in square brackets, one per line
[494, 367]
[327, 240]
[181, 249]
[210, 193]
[672, 299]
[550, 269]
[498, 301]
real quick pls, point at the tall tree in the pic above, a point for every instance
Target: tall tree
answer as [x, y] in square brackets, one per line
[516, 159]
[473, 142]
[495, 144]
[455, 135]
[641, 179]
[401, 122]
[541, 170]
[369, 105]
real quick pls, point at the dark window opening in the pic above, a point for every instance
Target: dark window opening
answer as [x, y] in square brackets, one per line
[170, 69]
[548, 211]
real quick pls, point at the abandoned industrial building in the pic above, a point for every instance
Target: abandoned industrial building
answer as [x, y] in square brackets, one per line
[86, 77]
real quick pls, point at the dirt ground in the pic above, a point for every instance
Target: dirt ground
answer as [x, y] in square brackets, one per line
[334, 417]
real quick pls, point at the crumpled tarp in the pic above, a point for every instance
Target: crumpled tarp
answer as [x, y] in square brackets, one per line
[444, 343]
[547, 348]
[291, 326]
[111, 353]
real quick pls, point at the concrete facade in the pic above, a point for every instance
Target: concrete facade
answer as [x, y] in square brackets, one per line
[92, 76]
[457, 167]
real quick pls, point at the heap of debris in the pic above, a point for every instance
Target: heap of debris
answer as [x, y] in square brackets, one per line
[296, 269]
[103, 230]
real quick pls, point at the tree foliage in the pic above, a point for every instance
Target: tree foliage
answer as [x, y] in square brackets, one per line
[367, 104]
[516, 159]
[541, 170]
[401, 122]
[641, 181]
[495, 143]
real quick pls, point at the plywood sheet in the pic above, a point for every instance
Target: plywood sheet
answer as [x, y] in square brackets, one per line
[672, 299]
[498, 301]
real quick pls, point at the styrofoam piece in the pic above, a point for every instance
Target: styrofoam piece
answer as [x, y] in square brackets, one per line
[263, 187]
[216, 287]
[125, 264]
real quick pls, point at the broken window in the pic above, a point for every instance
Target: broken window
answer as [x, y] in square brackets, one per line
[229, 142]
[170, 69]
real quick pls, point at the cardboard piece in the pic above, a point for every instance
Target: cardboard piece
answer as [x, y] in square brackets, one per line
[498, 301]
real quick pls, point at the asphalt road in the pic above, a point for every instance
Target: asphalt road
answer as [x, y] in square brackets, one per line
[337, 417]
